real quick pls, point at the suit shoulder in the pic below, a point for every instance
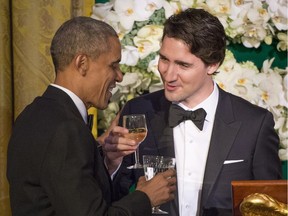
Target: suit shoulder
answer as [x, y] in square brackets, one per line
[153, 97]
[157, 94]
[244, 107]
[243, 102]
[154, 101]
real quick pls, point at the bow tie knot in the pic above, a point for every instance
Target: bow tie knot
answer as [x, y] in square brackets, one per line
[178, 114]
[189, 115]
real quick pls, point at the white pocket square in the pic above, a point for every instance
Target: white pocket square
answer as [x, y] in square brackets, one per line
[232, 161]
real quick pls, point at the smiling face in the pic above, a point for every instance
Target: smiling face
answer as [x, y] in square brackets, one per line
[185, 77]
[102, 75]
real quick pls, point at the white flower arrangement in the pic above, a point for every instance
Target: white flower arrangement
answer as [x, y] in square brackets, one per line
[139, 25]
[266, 88]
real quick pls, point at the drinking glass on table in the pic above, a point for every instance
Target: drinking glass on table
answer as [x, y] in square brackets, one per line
[136, 124]
[154, 164]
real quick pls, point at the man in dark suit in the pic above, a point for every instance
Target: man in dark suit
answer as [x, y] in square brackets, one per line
[54, 164]
[224, 138]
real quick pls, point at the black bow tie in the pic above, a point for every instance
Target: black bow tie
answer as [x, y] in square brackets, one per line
[178, 114]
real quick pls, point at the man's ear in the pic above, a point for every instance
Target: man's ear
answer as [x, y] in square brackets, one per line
[81, 64]
[212, 68]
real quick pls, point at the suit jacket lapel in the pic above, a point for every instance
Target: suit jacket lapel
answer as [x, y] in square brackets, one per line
[62, 98]
[67, 103]
[224, 132]
[162, 132]
[165, 146]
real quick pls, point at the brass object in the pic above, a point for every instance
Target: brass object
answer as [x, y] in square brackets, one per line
[258, 204]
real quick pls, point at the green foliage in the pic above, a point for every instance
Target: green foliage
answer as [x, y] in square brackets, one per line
[158, 18]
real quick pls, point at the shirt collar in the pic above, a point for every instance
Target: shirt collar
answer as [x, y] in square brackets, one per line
[209, 104]
[77, 101]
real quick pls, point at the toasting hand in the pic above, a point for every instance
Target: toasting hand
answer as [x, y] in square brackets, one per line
[160, 189]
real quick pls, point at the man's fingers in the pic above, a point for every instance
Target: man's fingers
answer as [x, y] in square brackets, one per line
[118, 147]
[169, 173]
[115, 155]
[117, 130]
[119, 143]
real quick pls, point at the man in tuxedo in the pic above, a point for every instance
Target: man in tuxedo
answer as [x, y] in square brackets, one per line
[54, 163]
[216, 137]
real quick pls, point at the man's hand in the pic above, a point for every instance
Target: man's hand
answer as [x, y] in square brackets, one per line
[160, 188]
[115, 146]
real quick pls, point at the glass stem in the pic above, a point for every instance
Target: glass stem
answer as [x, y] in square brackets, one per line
[136, 154]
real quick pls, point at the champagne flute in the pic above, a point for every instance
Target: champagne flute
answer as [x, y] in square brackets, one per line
[136, 124]
[154, 164]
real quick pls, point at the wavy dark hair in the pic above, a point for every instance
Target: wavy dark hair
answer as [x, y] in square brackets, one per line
[201, 31]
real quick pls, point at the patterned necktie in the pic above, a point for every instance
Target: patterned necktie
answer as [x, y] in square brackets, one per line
[177, 114]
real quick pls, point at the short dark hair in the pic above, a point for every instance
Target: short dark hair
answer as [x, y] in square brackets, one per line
[80, 35]
[201, 31]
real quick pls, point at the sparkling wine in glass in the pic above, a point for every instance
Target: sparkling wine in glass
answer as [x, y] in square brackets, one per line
[136, 124]
[154, 164]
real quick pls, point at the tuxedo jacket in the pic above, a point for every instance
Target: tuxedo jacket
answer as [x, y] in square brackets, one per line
[54, 166]
[241, 131]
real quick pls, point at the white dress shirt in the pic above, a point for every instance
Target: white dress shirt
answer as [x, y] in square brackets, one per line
[191, 150]
[77, 101]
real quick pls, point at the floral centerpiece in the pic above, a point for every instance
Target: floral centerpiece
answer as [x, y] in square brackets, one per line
[139, 25]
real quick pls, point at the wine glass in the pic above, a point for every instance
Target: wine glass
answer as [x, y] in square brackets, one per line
[136, 124]
[154, 164]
